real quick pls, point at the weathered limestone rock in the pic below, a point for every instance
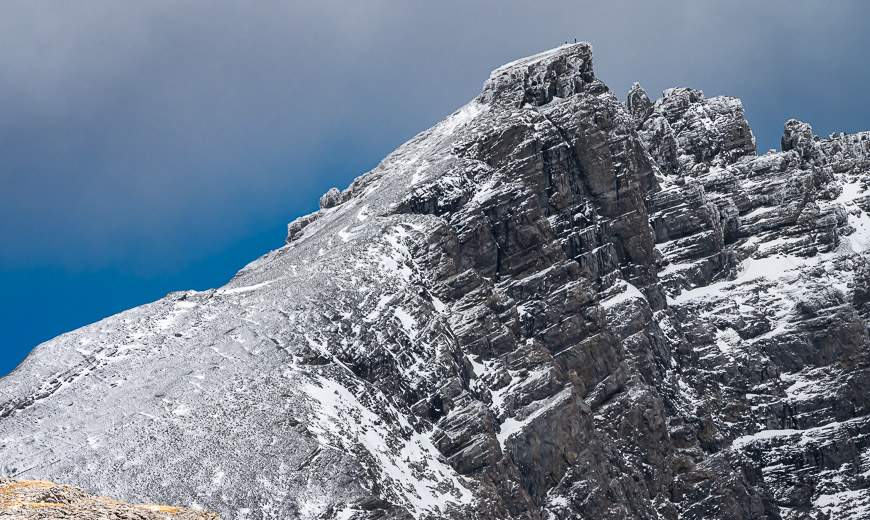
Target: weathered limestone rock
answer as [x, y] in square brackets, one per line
[330, 199]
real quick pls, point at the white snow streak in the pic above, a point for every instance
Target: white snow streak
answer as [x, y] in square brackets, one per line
[411, 465]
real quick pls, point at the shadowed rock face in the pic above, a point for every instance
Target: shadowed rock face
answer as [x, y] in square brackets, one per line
[549, 305]
[42, 500]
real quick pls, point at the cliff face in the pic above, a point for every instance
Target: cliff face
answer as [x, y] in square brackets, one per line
[550, 305]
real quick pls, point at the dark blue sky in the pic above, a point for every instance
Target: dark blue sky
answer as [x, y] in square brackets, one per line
[155, 146]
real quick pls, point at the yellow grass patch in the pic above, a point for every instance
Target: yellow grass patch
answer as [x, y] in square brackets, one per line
[39, 495]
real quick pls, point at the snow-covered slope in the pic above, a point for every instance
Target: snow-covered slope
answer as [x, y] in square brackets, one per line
[549, 305]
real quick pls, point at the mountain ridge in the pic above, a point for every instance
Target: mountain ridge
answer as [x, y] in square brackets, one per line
[552, 304]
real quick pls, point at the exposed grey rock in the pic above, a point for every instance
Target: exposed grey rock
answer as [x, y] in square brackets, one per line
[654, 130]
[638, 103]
[549, 305]
[331, 198]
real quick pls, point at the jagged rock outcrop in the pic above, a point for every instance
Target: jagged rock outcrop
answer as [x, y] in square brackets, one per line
[549, 305]
[765, 277]
[42, 500]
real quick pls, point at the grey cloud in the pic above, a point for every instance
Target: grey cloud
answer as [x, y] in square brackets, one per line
[135, 129]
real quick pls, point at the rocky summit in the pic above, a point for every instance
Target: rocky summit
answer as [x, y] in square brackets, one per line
[554, 304]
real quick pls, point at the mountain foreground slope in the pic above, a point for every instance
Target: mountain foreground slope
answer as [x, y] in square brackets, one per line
[550, 305]
[42, 500]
